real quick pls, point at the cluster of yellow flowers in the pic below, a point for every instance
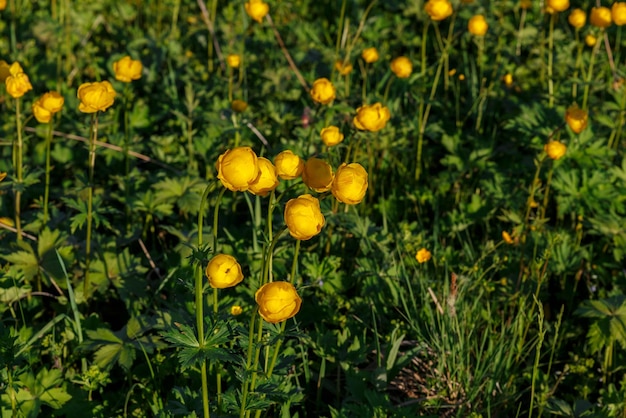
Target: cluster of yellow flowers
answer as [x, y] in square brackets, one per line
[601, 17]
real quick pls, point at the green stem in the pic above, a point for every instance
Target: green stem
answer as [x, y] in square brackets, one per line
[47, 186]
[550, 61]
[244, 392]
[126, 159]
[93, 136]
[294, 265]
[590, 72]
[18, 167]
[216, 213]
[577, 65]
[257, 355]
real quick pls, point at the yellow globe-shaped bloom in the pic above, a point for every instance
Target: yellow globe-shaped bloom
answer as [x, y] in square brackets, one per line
[233, 60]
[127, 69]
[223, 271]
[350, 183]
[323, 91]
[47, 105]
[17, 82]
[267, 180]
[318, 175]
[288, 165]
[371, 117]
[423, 255]
[577, 18]
[331, 136]
[238, 106]
[402, 67]
[590, 40]
[618, 13]
[303, 217]
[344, 68]
[477, 25]
[237, 168]
[278, 301]
[370, 55]
[576, 119]
[558, 5]
[94, 97]
[438, 9]
[257, 9]
[600, 17]
[555, 149]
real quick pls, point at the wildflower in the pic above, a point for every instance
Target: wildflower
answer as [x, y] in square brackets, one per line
[17, 82]
[237, 168]
[236, 310]
[577, 18]
[127, 69]
[303, 217]
[323, 91]
[371, 117]
[555, 149]
[461, 77]
[3, 175]
[590, 40]
[507, 237]
[576, 119]
[47, 105]
[4, 70]
[557, 5]
[98, 96]
[331, 136]
[257, 9]
[238, 106]
[233, 60]
[278, 301]
[370, 55]
[3, 4]
[618, 13]
[318, 175]
[288, 165]
[402, 67]
[350, 183]
[600, 17]
[344, 68]
[508, 79]
[423, 255]
[267, 179]
[438, 9]
[223, 271]
[477, 25]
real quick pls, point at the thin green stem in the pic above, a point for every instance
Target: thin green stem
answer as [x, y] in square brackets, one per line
[594, 52]
[550, 61]
[244, 392]
[216, 213]
[578, 63]
[126, 117]
[18, 168]
[93, 137]
[47, 185]
[294, 265]
[257, 355]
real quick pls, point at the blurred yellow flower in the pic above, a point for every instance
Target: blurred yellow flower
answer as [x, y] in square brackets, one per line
[323, 91]
[507, 237]
[477, 25]
[618, 13]
[402, 67]
[344, 68]
[555, 149]
[3, 175]
[331, 135]
[576, 118]
[525, 4]
[350, 183]
[127, 69]
[238, 106]
[17, 82]
[303, 217]
[438, 9]
[236, 310]
[590, 40]
[557, 5]
[47, 105]
[371, 117]
[237, 168]
[278, 301]
[318, 175]
[508, 79]
[370, 55]
[94, 97]
[288, 165]
[223, 271]
[600, 17]
[423, 255]
[233, 60]
[4, 70]
[3, 4]
[577, 18]
[257, 9]
[267, 179]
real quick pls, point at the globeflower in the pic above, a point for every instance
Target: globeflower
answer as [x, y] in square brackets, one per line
[5, 70]
[618, 13]
[557, 5]
[371, 117]
[590, 40]
[331, 136]
[402, 67]
[576, 118]
[507, 237]
[257, 9]
[555, 149]
[423, 255]
[238, 106]
[577, 18]
[47, 105]
[323, 91]
[267, 179]
[318, 175]
[508, 79]
[278, 301]
[370, 55]
[600, 17]
[17, 82]
[344, 68]
[303, 217]
[350, 183]
[94, 97]
[223, 271]
[127, 69]
[237, 168]
[288, 165]
[236, 310]
[233, 60]
[438, 9]
[477, 25]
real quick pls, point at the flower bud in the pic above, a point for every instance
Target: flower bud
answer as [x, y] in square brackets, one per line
[555, 149]
[323, 91]
[477, 25]
[576, 119]
[257, 9]
[331, 136]
[370, 55]
[288, 165]
[278, 301]
[402, 67]
[303, 217]
[350, 183]
[318, 175]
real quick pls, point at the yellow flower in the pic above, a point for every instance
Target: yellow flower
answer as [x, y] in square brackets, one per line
[555, 149]
[350, 183]
[233, 60]
[423, 255]
[438, 9]
[331, 136]
[17, 82]
[343, 68]
[4, 71]
[576, 118]
[3, 4]
[600, 17]
[318, 175]
[402, 67]
[507, 237]
[257, 9]
[477, 25]
[236, 310]
[267, 180]
[3, 175]
[237, 168]
[370, 55]
[371, 117]
[323, 91]
[618, 13]
[557, 5]
[577, 18]
[590, 40]
[303, 217]
[508, 79]
[278, 301]
[525, 4]
[238, 106]
[127, 69]
[98, 96]
[47, 105]
[223, 271]
[288, 165]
